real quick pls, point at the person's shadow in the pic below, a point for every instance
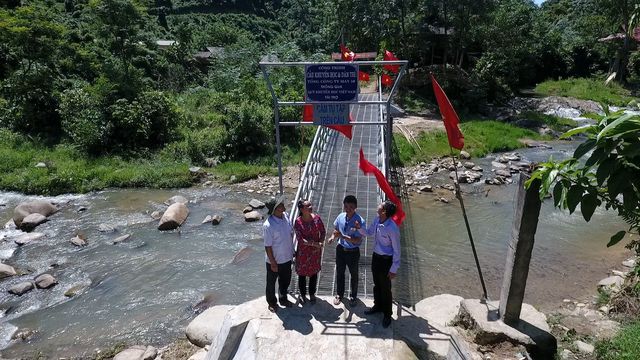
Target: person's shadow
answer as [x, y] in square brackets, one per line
[298, 318]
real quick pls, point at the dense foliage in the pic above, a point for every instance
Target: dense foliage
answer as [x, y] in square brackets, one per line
[91, 74]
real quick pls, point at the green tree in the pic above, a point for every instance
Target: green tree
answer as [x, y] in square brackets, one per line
[32, 41]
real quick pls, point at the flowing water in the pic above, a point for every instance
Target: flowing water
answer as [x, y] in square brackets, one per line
[569, 256]
[143, 290]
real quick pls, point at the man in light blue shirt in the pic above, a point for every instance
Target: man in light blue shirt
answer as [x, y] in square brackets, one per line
[385, 260]
[348, 248]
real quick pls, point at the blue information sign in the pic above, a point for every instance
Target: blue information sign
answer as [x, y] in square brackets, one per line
[330, 114]
[331, 82]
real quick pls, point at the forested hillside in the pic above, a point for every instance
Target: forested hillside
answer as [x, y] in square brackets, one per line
[90, 79]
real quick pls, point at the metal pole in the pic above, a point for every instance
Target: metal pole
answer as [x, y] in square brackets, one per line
[387, 143]
[276, 112]
[466, 222]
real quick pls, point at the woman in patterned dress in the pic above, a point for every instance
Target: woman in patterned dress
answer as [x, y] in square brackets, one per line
[310, 234]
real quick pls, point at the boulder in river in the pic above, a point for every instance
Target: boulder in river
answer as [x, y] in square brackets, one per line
[79, 240]
[6, 271]
[122, 238]
[21, 288]
[45, 281]
[174, 217]
[31, 221]
[242, 255]
[27, 238]
[256, 204]
[247, 209]
[252, 216]
[24, 209]
[216, 219]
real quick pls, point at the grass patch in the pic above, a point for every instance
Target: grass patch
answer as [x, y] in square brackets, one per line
[587, 89]
[554, 122]
[624, 346]
[237, 171]
[481, 137]
[68, 171]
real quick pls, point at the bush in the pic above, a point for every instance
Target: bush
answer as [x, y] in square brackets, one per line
[148, 122]
[249, 130]
[83, 121]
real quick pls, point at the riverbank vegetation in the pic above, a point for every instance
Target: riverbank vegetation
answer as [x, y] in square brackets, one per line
[588, 89]
[624, 346]
[481, 138]
[133, 93]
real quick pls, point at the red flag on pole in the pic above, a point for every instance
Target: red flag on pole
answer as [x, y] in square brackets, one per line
[347, 55]
[449, 116]
[388, 56]
[346, 130]
[363, 76]
[387, 80]
[368, 168]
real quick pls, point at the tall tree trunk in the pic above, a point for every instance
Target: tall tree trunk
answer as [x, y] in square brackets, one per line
[446, 37]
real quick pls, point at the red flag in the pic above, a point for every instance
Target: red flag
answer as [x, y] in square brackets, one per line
[346, 130]
[449, 116]
[387, 80]
[346, 54]
[363, 76]
[368, 168]
[307, 113]
[388, 56]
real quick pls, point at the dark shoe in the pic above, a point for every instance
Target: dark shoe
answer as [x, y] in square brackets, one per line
[353, 302]
[312, 299]
[273, 308]
[386, 322]
[286, 303]
[372, 310]
[337, 300]
[303, 299]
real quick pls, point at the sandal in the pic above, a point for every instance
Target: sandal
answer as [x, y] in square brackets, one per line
[337, 300]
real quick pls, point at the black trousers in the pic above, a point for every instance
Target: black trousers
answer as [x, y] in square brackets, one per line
[347, 258]
[284, 273]
[380, 266]
[302, 284]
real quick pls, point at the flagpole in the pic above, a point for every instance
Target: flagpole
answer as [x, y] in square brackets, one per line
[466, 222]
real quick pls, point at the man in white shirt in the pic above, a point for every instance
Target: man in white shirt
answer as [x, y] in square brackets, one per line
[278, 244]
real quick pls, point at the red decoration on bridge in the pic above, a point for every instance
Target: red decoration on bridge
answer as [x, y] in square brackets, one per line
[347, 55]
[368, 168]
[388, 56]
[387, 80]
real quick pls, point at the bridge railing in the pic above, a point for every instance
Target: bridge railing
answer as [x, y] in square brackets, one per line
[317, 156]
[381, 159]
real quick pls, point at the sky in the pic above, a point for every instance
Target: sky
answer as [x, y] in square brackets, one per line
[538, 1]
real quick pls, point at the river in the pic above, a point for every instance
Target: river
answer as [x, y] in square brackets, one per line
[142, 290]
